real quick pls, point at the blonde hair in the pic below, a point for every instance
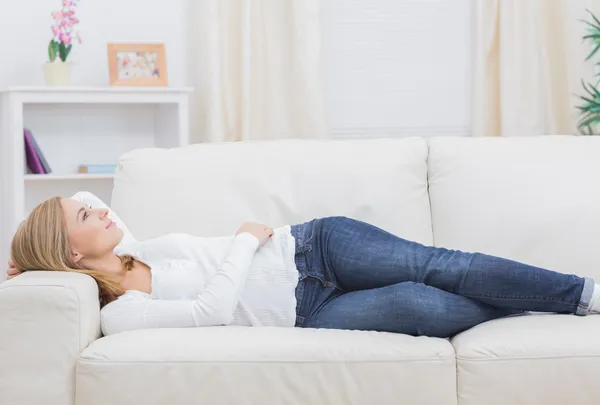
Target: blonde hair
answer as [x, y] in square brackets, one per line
[42, 243]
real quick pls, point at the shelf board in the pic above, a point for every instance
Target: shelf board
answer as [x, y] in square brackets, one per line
[63, 177]
[100, 94]
[95, 89]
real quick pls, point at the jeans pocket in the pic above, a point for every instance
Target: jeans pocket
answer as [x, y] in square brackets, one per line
[304, 235]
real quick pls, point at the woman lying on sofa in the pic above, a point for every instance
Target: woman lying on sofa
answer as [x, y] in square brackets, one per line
[332, 272]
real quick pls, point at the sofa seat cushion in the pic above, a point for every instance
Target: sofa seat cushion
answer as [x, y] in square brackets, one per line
[530, 359]
[241, 365]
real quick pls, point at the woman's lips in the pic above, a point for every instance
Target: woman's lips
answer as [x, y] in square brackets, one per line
[111, 223]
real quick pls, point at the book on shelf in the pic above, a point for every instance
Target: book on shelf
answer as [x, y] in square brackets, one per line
[97, 169]
[43, 160]
[35, 159]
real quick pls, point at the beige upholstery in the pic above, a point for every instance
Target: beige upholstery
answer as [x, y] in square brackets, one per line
[529, 199]
[265, 366]
[535, 200]
[46, 320]
[210, 189]
[525, 360]
[532, 199]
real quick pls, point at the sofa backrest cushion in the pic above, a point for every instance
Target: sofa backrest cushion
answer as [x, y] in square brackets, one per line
[211, 189]
[533, 199]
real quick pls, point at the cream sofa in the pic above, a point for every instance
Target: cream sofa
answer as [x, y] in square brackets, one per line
[531, 199]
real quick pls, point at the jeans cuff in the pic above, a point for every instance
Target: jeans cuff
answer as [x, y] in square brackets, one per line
[586, 296]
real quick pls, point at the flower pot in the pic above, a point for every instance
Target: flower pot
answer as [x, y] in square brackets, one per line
[57, 73]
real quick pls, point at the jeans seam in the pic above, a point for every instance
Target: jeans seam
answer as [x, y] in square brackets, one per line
[512, 298]
[504, 297]
[309, 240]
[335, 284]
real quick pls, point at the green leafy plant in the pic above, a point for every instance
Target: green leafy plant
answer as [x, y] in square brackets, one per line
[60, 49]
[590, 107]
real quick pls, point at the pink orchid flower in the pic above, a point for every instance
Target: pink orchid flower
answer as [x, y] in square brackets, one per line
[64, 21]
[66, 38]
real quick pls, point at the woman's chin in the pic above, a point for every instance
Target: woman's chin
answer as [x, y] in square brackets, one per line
[119, 234]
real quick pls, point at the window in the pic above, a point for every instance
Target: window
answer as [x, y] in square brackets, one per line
[397, 67]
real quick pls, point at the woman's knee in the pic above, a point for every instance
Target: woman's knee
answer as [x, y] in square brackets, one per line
[423, 311]
[417, 301]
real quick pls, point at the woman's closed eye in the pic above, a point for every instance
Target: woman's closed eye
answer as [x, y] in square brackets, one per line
[85, 213]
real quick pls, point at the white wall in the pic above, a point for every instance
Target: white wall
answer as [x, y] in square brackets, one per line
[392, 67]
[397, 67]
[25, 33]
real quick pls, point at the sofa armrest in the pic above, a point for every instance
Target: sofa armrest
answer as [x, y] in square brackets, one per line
[46, 320]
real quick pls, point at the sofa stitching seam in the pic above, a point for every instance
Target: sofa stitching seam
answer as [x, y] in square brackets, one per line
[521, 358]
[89, 361]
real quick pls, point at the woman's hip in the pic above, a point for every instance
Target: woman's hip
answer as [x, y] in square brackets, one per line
[316, 282]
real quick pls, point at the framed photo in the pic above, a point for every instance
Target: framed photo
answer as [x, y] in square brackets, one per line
[137, 65]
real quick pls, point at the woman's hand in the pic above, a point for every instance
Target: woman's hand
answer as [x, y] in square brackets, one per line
[12, 270]
[261, 231]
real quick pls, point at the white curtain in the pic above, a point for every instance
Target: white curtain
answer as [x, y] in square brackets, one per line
[528, 66]
[256, 68]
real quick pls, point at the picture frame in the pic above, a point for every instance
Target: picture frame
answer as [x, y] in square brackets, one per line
[133, 64]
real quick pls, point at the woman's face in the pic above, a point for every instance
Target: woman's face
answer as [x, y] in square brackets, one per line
[91, 233]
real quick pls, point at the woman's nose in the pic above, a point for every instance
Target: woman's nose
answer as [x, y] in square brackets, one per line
[102, 213]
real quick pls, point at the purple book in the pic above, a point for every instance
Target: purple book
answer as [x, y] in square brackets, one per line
[40, 154]
[33, 161]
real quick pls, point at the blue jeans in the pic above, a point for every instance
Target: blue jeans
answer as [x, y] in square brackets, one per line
[356, 276]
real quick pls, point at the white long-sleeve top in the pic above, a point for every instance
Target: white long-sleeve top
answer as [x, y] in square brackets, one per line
[208, 282]
[205, 281]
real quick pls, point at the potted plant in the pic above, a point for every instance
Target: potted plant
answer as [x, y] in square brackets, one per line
[590, 108]
[58, 69]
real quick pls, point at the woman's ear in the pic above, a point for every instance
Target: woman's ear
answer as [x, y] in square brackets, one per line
[76, 256]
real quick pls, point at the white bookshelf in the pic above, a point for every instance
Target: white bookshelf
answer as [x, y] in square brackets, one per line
[77, 176]
[73, 126]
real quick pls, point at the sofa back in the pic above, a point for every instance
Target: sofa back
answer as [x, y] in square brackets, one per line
[211, 189]
[532, 199]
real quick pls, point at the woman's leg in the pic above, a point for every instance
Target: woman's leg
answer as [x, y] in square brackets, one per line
[409, 308]
[362, 256]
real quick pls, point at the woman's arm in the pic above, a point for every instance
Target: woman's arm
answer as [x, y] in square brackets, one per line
[214, 306]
